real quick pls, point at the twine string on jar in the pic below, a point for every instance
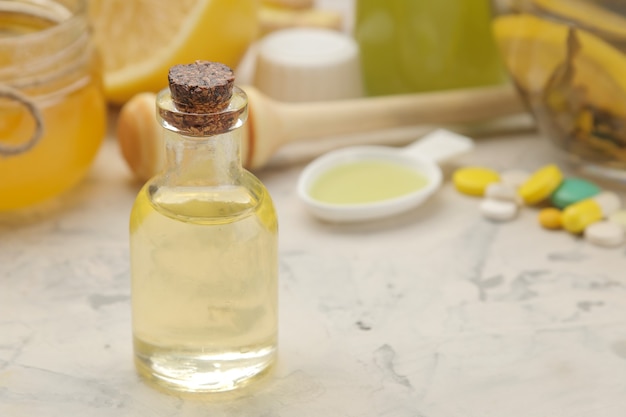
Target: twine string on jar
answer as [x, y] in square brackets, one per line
[13, 94]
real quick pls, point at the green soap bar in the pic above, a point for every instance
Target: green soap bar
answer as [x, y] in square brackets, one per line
[573, 190]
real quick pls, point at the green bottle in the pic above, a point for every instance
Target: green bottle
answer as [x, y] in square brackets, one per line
[425, 45]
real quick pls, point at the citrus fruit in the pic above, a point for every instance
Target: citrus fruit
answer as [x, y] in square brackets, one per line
[533, 49]
[140, 40]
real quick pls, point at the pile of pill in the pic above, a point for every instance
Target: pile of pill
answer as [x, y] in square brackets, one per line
[573, 204]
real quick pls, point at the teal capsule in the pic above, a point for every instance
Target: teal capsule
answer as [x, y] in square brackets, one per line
[573, 190]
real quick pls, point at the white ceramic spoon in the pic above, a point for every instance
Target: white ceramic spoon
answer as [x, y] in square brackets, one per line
[422, 156]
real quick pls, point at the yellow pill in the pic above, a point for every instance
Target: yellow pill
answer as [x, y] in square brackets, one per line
[550, 218]
[541, 184]
[474, 180]
[580, 215]
[586, 212]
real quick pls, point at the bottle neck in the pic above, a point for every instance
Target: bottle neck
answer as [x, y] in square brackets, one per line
[203, 149]
[203, 161]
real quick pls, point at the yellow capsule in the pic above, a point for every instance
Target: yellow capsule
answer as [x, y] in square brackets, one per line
[541, 184]
[550, 218]
[474, 180]
[578, 216]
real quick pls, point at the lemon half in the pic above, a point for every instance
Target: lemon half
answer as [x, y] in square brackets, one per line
[139, 40]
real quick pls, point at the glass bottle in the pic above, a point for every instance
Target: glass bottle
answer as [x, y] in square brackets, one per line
[203, 241]
[52, 105]
[423, 45]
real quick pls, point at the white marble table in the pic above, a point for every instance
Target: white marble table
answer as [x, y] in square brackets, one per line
[437, 313]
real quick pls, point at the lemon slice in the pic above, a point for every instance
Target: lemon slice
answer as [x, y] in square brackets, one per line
[140, 40]
[533, 48]
[586, 13]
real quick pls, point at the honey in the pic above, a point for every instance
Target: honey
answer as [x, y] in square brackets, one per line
[50, 79]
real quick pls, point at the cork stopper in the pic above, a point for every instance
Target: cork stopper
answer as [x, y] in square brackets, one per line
[201, 93]
[201, 87]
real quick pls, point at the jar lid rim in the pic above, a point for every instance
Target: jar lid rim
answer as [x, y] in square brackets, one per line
[65, 17]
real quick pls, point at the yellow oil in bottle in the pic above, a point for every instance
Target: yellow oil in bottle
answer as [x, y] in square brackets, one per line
[66, 88]
[204, 286]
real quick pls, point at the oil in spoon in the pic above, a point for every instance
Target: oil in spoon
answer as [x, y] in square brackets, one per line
[366, 181]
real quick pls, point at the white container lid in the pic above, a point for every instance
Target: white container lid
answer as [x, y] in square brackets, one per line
[308, 64]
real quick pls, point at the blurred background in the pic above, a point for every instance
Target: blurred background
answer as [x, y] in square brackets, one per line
[475, 66]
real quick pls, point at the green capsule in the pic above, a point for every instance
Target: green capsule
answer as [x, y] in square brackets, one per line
[573, 190]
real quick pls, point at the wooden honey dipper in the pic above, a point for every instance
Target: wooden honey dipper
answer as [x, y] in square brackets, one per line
[272, 124]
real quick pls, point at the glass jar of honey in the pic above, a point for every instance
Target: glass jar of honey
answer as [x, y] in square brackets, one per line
[52, 106]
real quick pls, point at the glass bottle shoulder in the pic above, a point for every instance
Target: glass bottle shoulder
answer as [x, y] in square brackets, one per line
[206, 204]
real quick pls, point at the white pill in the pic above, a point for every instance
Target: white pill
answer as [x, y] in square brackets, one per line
[502, 191]
[499, 210]
[514, 177]
[605, 233]
[608, 201]
[618, 217]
